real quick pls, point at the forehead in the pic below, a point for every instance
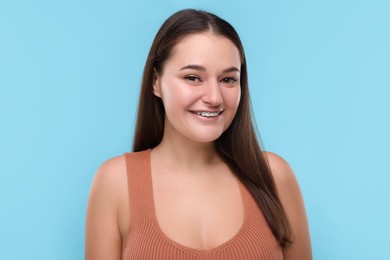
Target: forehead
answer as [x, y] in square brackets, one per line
[206, 49]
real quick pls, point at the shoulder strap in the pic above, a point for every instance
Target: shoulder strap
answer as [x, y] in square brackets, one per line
[139, 183]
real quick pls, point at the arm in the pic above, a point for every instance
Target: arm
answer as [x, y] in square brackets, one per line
[292, 202]
[103, 238]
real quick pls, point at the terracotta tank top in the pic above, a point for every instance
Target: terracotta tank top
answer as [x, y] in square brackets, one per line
[146, 241]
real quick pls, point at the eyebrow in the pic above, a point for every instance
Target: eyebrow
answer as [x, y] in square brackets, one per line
[201, 68]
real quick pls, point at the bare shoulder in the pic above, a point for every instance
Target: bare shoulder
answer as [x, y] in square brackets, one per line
[292, 201]
[105, 206]
[111, 173]
[281, 170]
[286, 183]
[109, 180]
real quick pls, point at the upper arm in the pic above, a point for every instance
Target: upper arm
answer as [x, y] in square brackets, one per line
[291, 198]
[102, 237]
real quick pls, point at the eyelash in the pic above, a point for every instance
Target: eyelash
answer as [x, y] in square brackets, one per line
[228, 80]
[192, 78]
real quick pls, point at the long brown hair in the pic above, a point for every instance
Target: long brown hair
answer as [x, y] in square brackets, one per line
[238, 146]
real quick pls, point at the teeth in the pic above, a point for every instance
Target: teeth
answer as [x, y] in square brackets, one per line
[207, 114]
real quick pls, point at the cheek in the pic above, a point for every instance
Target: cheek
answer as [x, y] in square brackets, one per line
[176, 95]
[232, 98]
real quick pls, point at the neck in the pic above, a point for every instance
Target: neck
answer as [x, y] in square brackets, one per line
[185, 153]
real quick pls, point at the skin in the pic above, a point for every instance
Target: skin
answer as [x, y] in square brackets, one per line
[196, 195]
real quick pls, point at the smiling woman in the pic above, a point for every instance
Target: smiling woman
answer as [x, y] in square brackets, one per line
[197, 185]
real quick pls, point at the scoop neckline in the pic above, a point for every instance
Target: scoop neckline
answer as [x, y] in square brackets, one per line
[169, 240]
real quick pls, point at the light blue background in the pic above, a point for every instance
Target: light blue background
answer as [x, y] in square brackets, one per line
[70, 73]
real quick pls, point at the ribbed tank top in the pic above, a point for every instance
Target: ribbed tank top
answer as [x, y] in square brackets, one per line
[146, 240]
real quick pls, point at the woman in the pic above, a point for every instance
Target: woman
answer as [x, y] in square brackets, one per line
[197, 185]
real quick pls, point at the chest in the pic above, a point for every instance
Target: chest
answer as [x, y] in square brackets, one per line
[195, 219]
[200, 212]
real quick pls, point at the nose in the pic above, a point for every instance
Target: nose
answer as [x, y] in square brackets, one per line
[212, 94]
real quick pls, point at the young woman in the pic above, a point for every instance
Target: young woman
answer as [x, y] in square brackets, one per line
[197, 185]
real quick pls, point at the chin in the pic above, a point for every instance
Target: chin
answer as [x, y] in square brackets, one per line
[206, 137]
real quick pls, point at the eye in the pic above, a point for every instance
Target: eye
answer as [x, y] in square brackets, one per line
[229, 80]
[192, 78]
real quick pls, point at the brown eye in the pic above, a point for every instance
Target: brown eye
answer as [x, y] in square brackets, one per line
[229, 80]
[192, 78]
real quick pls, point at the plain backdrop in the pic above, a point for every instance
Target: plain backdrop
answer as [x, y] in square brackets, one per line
[70, 72]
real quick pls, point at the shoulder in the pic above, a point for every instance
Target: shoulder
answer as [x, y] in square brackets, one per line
[281, 170]
[292, 201]
[106, 207]
[113, 165]
[110, 174]
[102, 238]
[109, 185]
[286, 183]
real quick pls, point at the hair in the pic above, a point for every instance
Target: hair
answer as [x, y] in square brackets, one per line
[238, 146]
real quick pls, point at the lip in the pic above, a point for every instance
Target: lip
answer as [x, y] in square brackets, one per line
[207, 111]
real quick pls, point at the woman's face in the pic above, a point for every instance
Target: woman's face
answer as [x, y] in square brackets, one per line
[200, 87]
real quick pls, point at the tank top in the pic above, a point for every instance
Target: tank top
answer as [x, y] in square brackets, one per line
[146, 240]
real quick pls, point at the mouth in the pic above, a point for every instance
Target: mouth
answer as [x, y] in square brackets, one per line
[207, 114]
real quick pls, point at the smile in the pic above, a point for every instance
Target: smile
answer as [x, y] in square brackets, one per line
[207, 114]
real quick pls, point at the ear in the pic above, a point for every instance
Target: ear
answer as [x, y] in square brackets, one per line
[156, 84]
